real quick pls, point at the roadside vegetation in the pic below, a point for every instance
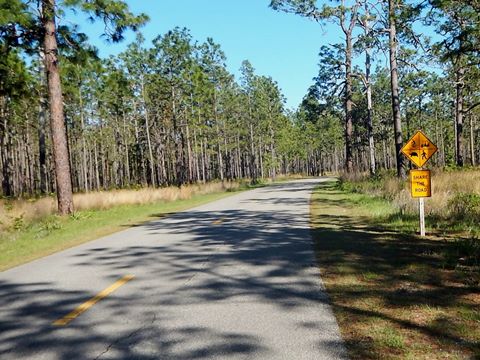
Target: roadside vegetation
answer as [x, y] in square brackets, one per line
[453, 207]
[30, 229]
[18, 213]
[397, 295]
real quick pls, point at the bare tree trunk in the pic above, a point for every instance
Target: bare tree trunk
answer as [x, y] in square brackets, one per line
[442, 144]
[260, 158]
[253, 170]
[459, 115]
[348, 31]
[139, 151]
[127, 155]
[189, 155]
[57, 122]
[197, 168]
[178, 142]
[371, 144]
[5, 150]
[29, 165]
[149, 141]
[239, 158]
[348, 107]
[219, 150]
[436, 160]
[397, 120]
[42, 124]
[385, 155]
[335, 160]
[202, 152]
[84, 145]
[273, 154]
[219, 153]
[97, 173]
[163, 165]
[472, 141]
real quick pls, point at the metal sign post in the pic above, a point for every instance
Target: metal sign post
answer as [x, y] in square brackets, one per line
[419, 149]
[421, 202]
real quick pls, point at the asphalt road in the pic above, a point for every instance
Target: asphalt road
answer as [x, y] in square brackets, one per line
[233, 279]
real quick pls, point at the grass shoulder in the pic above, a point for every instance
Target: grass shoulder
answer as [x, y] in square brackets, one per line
[395, 295]
[29, 228]
[54, 233]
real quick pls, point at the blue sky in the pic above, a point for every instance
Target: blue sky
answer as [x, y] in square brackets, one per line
[283, 46]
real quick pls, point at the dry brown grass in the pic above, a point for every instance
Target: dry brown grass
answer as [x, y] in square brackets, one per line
[446, 185]
[15, 213]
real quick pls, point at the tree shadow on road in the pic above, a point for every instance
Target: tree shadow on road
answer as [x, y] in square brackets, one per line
[200, 258]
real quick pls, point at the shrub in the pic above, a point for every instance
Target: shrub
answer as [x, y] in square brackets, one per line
[465, 207]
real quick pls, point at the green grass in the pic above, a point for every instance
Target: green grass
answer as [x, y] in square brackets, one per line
[56, 233]
[395, 295]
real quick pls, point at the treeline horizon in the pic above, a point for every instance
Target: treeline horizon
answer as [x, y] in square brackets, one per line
[170, 113]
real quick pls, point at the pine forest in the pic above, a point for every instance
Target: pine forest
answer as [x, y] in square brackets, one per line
[168, 112]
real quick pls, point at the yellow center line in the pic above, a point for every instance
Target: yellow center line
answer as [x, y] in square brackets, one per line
[89, 303]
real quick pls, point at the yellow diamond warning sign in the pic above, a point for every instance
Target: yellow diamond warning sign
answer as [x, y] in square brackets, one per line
[419, 149]
[421, 183]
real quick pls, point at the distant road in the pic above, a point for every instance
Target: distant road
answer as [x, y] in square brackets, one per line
[233, 279]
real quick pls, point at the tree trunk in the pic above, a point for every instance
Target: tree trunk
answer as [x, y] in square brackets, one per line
[84, 144]
[442, 144]
[459, 115]
[149, 141]
[219, 150]
[397, 120]
[472, 141]
[42, 124]
[97, 173]
[197, 168]
[260, 159]
[273, 154]
[178, 142]
[30, 178]
[348, 104]
[57, 122]
[127, 155]
[239, 158]
[253, 170]
[385, 155]
[5, 150]
[204, 161]
[371, 144]
[189, 155]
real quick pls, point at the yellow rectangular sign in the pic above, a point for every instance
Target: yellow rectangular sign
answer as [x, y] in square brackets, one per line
[421, 182]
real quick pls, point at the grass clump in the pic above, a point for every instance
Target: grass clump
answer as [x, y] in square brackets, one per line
[390, 338]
